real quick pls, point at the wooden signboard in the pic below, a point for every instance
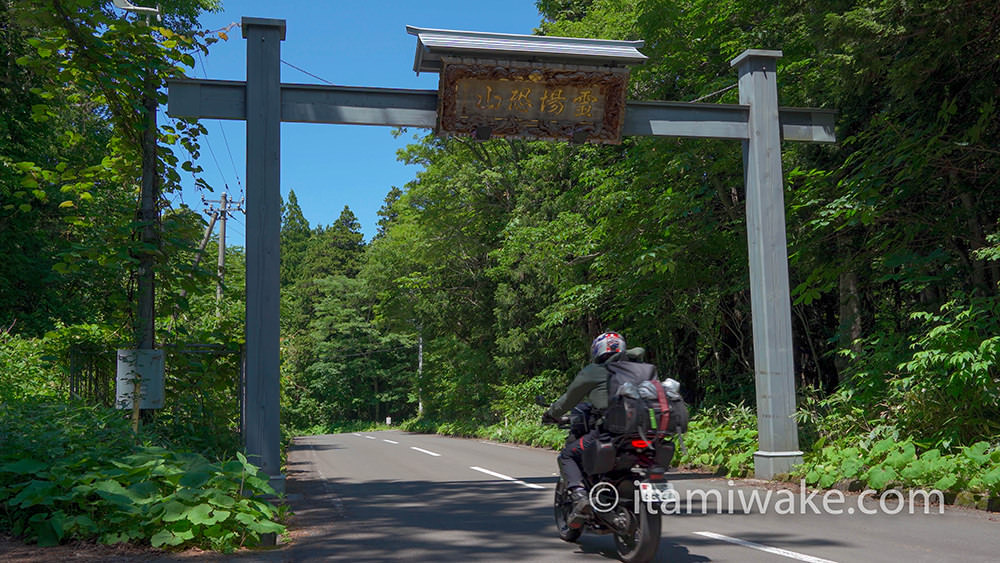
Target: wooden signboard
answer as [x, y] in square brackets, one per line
[531, 101]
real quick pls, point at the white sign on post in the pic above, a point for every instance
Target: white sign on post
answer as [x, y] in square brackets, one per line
[146, 365]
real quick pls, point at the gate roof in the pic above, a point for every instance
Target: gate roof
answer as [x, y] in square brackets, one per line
[432, 44]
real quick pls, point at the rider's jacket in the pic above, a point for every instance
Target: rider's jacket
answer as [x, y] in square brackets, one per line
[591, 383]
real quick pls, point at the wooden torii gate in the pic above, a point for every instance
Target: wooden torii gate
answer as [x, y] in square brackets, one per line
[264, 103]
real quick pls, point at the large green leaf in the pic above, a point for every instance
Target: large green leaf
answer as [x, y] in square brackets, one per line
[174, 511]
[850, 466]
[880, 476]
[163, 537]
[977, 452]
[200, 515]
[194, 479]
[946, 483]
[992, 478]
[24, 467]
[36, 492]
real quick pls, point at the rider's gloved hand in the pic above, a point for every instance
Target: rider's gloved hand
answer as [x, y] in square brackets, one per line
[549, 419]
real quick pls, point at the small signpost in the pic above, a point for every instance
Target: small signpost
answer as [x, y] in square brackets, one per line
[146, 367]
[518, 86]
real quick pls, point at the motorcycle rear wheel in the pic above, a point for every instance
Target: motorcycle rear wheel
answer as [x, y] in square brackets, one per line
[562, 508]
[642, 543]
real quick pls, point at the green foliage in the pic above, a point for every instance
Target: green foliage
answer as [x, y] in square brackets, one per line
[71, 155]
[23, 370]
[512, 402]
[73, 472]
[936, 384]
[887, 462]
[528, 433]
[295, 238]
[948, 389]
[349, 369]
[203, 411]
[337, 364]
[722, 439]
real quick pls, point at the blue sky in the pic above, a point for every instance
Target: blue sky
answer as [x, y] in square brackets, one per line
[348, 43]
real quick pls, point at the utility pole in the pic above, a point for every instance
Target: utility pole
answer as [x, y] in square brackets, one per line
[147, 218]
[222, 213]
[149, 235]
[420, 373]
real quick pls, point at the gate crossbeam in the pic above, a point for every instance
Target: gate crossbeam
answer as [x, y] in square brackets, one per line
[397, 107]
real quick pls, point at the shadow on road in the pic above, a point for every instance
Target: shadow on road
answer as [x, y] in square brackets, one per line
[437, 521]
[453, 520]
[353, 519]
[429, 521]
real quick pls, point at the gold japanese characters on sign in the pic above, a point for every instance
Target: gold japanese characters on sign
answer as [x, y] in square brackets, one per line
[532, 101]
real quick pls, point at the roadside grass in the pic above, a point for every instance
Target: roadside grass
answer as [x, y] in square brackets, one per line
[531, 434]
[77, 472]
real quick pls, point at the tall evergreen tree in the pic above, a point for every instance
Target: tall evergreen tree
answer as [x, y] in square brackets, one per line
[295, 235]
[387, 213]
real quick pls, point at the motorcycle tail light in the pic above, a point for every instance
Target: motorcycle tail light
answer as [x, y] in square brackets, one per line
[641, 444]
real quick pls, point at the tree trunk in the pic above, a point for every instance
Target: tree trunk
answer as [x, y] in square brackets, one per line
[977, 240]
[850, 320]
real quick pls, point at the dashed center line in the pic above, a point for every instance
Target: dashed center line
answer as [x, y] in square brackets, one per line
[506, 477]
[423, 451]
[390, 441]
[370, 437]
[765, 548]
[355, 433]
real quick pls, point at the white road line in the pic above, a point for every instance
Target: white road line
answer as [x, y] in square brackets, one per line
[765, 548]
[501, 445]
[505, 477]
[355, 433]
[370, 437]
[390, 441]
[338, 505]
[421, 450]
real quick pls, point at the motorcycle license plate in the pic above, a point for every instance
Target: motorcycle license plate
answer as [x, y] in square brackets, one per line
[657, 492]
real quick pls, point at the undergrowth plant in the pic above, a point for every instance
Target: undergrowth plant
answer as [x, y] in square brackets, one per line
[528, 433]
[887, 462]
[721, 439]
[74, 472]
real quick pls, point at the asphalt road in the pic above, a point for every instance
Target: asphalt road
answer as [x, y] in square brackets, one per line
[381, 496]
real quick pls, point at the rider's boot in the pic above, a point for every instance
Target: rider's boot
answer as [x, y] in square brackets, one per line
[581, 507]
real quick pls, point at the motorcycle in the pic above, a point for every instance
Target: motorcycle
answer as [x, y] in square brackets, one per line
[626, 482]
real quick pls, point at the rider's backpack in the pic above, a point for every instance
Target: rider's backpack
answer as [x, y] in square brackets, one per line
[636, 400]
[638, 404]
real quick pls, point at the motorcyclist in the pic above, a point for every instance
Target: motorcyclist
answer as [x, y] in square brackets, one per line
[590, 383]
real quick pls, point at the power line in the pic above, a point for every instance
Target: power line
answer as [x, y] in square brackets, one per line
[304, 71]
[236, 173]
[726, 89]
[219, 168]
[240, 232]
[225, 139]
[374, 350]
